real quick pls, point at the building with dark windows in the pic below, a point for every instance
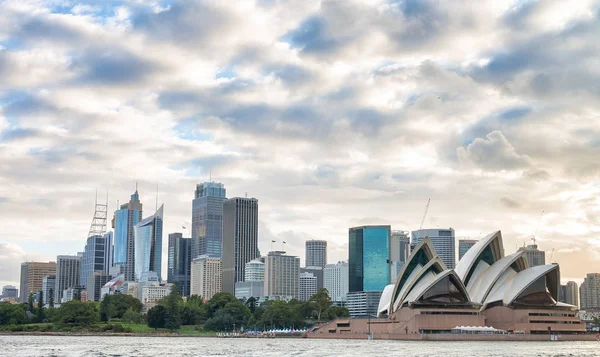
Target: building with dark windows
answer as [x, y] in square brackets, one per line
[240, 239]
[399, 252]
[68, 271]
[316, 253]
[9, 292]
[95, 282]
[369, 256]
[97, 256]
[148, 245]
[443, 241]
[125, 218]
[32, 275]
[48, 285]
[534, 256]
[464, 245]
[179, 262]
[589, 292]
[207, 219]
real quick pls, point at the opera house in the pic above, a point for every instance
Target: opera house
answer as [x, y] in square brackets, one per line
[486, 289]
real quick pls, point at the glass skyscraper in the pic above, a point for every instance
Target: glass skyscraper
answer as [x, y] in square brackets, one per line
[148, 245]
[179, 262]
[207, 219]
[97, 256]
[369, 258]
[123, 222]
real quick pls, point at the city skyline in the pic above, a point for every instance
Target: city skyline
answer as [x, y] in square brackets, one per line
[490, 110]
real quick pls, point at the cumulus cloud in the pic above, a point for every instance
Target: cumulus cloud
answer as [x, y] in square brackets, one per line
[493, 153]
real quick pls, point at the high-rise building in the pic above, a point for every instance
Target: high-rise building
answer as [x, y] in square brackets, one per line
[589, 292]
[363, 303]
[240, 239]
[562, 294]
[281, 274]
[369, 258]
[97, 256]
[148, 245]
[534, 256]
[317, 272]
[10, 292]
[335, 280]
[255, 271]
[443, 241]
[32, 274]
[254, 281]
[179, 262]
[206, 275]
[48, 285]
[399, 253]
[308, 286]
[464, 245]
[572, 294]
[95, 283]
[316, 253]
[125, 218]
[207, 219]
[67, 274]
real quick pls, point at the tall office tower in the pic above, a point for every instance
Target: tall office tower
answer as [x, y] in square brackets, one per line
[148, 245]
[464, 245]
[48, 285]
[179, 262]
[254, 281]
[97, 256]
[95, 283]
[67, 274]
[316, 253]
[205, 277]
[534, 256]
[562, 294]
[282, 273]
[369, 257]
[335, 280]
[308, 286]
[240, 239]
[255, 271]
[207, 219]
[572, 294]
[399, 252]
[10, 292]
[32, 274]
[589, 292]
[443, 241]
[124, 220]
[317, 272]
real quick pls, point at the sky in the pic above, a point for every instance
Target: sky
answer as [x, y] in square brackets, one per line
[333, 114]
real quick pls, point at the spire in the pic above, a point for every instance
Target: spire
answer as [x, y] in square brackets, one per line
[98, 226]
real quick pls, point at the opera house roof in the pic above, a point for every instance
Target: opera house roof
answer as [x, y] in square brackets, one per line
[484, 277]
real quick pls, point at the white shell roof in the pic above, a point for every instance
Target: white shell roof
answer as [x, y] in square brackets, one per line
[466, 263]
[416, 275]
[428, 282]
[480, 287]
[510, 288]
[384, 301]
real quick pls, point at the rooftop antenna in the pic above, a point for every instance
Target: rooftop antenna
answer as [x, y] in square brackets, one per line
[210, 175]
[136, 186]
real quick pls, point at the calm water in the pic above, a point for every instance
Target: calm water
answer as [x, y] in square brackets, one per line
[165, 346]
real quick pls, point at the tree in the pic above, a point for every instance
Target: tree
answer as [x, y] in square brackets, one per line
[12, 314]
[40, 309]
[321, 301]
[105, 309]
[133, 317]
[76, 312]
[51, 299]
[30, 302]
[173, 305]
[251, 303]
[156, 317]
[77, 294]
[336, 312]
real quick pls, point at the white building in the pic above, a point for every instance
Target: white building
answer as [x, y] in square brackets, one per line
[316, 253]
[282, 273]
[589, 292]
[363, 303]
[206, 277]
[335, 278]
[153, 292]
[255, 271]
[443, 241]
[308, 286]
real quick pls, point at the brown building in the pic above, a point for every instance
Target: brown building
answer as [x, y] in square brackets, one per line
[32, 274]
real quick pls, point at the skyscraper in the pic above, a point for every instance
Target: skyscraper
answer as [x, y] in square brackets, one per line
[48, 285]
[316, 253]
[535, 256]
[443, 241]
[369, 248]
[308, 286]
[464, 245]
[10, 292]
[95, 282]
[205, 277]
[123, 222]
[399, 252]
[148, 245]
[589, 292]
[67, 274]
[179, 262]
[207, 219]
[32, 274]
[97, 256]
[282, 273]
[335, 278]
[572, 294]
[240, 239]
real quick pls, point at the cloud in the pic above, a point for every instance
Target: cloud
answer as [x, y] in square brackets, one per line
[493, 153]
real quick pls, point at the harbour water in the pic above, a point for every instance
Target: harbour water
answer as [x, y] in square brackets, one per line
[195, 346]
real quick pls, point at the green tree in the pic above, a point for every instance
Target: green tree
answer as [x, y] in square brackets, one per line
[105, 309]
[192, 312]
[133, 317]
[77, 294]
[173, 304]
[217, 302]
[51, 298]
[336, 312]
[12, 314]
[156, 317]
[76, 312]
[321, 302]
[251, 303]
[40, 309]
[30, 301]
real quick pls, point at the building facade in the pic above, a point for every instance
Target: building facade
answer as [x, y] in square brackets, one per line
[572, 294]
[308, 286]
[443, 241]
[281, 274]
[206, 277]
[399, 252]
[125, 218]
[335, 280]
[207, 219]
[179, 262]
[32, 275]
[10, 292]
[248, 289]
[589, 292]
[535, 257]
[317, 272]
[48, 285]
[369, 256]
[67, 274]
[464, 245]
[240, 239]
[316, 253]
[95, 283]
[97, 256]
[255, 271]
[148, 245]
[363, 303]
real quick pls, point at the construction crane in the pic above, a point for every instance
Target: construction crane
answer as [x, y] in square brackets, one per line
[425, 214]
